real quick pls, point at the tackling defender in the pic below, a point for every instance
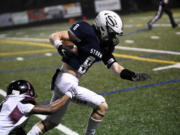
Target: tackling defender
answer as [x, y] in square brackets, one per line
[95, 43]
[19, 104]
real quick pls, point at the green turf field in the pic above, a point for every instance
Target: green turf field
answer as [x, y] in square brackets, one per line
[144, 108]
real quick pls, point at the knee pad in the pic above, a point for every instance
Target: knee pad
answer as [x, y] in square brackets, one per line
[96, 112]
[101, 109]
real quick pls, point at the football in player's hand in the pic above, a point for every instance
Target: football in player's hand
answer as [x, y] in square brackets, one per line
[71, 45]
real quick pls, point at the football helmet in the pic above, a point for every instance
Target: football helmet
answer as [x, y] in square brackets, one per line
[109, 25]
[18, 87]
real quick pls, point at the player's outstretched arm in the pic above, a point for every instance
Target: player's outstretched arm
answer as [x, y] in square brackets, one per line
[128, 74]
[50, 108]
[55, 106]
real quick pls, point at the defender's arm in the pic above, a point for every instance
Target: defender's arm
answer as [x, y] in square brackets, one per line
[51, 108]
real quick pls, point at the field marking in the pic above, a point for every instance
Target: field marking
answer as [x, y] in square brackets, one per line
[27, 52]
[128, 41]
[2, 92]
[167, 67]
[117, 47]
[117, 55]
[26, 43]
[174, 63]
[177, 33]
[147, 50]
[25, 39]
[140, 87]
[60, 127]
[141, 25]
[28, 69]
[145, 59]
[155, 37]
[19, 58]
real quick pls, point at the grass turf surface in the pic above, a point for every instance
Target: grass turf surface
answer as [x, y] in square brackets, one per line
[148, 111]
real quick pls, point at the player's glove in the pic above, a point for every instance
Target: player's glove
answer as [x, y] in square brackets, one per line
[72, 92]
[140, 77]
[66, 51]
[130, 75]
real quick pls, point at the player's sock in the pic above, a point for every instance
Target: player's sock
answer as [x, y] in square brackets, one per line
[35, 131]
[92, 126]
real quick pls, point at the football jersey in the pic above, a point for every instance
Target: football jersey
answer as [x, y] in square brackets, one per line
[89, 48]
[14, 112]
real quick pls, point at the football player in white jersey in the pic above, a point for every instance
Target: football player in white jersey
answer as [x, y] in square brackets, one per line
[19, 104]
[94, 43]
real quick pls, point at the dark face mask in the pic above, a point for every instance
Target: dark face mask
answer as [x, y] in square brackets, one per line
[114, 38]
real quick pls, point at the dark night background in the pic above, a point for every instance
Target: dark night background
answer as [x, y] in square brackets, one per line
[127, 5]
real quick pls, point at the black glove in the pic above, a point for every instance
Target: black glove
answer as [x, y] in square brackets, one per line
[66, 51]
[140, 77]
[130, 75]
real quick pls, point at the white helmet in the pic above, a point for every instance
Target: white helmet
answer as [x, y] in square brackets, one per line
[107, 23]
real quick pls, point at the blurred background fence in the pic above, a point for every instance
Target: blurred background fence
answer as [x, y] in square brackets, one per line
[15, 13]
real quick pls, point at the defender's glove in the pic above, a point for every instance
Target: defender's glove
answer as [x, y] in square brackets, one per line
[72, 92]
[130, 75]
[66, 51]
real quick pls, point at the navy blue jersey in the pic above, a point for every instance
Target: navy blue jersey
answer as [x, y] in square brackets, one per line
[89, 47]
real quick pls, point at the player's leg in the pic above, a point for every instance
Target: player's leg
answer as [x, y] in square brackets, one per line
[62, 82]
[18, 131]
[97, 102]
[52, 120]
[157, 17]
[96, 118]
[170, 15]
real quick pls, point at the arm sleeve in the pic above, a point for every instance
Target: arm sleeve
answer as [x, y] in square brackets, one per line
[108, 49]
[108, 60]
[26, 105]
[25, 108]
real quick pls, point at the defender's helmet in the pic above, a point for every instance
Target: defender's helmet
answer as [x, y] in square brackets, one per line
[108, 24]
[18, 87]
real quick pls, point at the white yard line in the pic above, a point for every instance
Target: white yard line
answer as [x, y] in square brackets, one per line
[153, 51]
[117, 47]
[5, 37]
[167, 67]
[26, 39]
[2, 92]
[147, 50]
[60, 127]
